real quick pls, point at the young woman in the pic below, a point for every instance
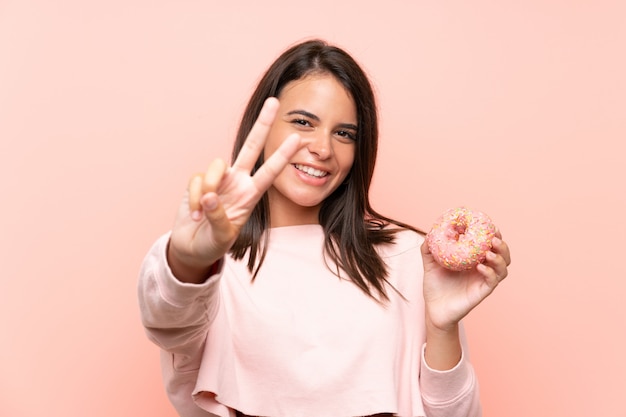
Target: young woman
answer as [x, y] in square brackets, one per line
[280, 292]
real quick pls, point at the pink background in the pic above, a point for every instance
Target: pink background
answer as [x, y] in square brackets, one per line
[107, 107]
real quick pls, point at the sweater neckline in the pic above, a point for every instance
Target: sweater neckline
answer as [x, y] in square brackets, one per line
[296, 232]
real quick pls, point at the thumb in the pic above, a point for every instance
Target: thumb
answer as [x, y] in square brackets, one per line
[427, 256]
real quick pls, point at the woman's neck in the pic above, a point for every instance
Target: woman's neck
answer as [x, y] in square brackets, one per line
[283, 212]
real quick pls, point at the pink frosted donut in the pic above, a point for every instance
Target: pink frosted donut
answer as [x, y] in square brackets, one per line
[460, 238]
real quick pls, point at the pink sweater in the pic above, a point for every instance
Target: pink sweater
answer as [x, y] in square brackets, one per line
[299, 341]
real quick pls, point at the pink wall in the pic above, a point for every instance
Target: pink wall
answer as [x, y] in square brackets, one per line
[516, 108]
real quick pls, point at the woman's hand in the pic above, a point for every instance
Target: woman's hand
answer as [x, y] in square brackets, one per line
[450, 295]
[219, 202]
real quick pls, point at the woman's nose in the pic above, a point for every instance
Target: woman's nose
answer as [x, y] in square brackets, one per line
[319, 144]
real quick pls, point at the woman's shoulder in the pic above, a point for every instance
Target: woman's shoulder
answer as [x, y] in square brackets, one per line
[404, 240]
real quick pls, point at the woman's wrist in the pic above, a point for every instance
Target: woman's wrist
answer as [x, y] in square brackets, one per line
[443, 346]
[190, 273]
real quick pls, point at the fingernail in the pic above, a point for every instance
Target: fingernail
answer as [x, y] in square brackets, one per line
[496, 241]
[196, 215]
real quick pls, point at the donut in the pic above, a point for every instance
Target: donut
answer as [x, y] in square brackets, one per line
[460, 238]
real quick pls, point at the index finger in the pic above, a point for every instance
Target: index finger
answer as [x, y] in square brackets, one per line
[255, 141]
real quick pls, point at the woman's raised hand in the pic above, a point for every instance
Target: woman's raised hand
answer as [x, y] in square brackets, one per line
[219, 202]
[450, 295]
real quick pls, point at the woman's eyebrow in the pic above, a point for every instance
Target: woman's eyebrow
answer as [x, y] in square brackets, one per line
[304, 113]
[348, 126]
[314, 117]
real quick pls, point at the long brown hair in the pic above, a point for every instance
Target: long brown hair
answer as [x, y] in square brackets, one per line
[351, 226]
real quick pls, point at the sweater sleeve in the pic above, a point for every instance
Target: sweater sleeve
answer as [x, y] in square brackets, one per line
[451, 393]
[176, 315]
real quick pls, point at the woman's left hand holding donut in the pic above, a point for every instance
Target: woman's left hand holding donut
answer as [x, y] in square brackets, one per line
[450, 295]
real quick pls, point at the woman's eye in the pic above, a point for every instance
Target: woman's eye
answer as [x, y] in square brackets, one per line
[301, 122]
[346, 134]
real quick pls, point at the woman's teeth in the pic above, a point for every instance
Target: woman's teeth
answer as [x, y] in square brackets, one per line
[311, 171]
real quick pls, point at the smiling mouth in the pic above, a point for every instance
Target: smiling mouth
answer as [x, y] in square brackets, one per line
[311, 171]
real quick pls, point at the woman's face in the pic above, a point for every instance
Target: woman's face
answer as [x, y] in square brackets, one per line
[323, 113]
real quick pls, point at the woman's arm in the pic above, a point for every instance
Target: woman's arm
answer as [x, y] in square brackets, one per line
[454, 391]
[448, 383]
[175, 314]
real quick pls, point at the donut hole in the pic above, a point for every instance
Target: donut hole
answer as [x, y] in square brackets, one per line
[459, 225]
[460, 229]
